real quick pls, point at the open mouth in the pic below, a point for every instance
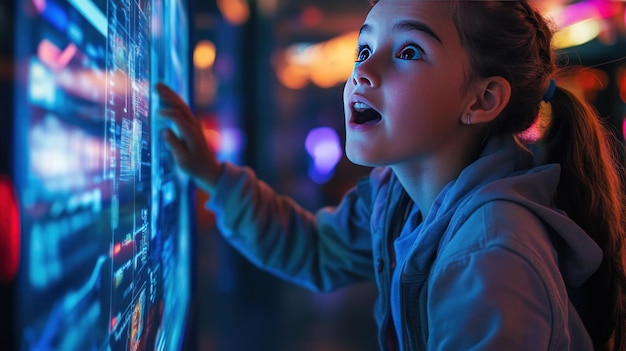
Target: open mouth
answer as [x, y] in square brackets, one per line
[363, 114]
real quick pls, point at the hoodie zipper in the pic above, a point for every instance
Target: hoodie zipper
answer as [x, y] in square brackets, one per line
[384, 272]
[394, 224]
[409, 341]
[406, 342]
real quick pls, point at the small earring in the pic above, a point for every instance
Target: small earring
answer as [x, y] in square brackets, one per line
[469, 119]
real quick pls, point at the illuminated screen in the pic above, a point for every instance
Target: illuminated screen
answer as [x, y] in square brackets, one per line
[106, 256]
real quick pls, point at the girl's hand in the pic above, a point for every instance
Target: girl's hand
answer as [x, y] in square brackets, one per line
[190, 149]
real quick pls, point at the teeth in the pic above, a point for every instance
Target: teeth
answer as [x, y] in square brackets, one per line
[359, 106]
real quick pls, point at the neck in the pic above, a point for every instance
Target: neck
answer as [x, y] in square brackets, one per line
[423, 179]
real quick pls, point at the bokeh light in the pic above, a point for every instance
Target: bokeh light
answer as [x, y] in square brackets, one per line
[204, 54]
[324, 147]
[9, 232]
[577, 33]
[324, 64]
[236, 12]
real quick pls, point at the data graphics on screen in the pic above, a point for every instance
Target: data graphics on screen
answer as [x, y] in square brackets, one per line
[105, 256]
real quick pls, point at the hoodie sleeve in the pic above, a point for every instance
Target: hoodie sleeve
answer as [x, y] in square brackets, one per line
[321, 251]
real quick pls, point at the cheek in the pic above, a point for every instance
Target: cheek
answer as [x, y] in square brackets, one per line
[347, 90]
[425, 113]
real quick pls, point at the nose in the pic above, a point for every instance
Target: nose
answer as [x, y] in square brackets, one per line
[364, 74]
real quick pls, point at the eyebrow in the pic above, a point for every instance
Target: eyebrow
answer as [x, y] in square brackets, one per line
[407, 25]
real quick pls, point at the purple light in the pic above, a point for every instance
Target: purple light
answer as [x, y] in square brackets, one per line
[324, 147]
[232, 142]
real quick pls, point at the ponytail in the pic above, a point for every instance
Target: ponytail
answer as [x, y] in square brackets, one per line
[511, 39]
[591, 192]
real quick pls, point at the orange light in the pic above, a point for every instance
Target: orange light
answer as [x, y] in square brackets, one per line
[324, 64]
[204, 54]
[117, 248]
[292, 76]
[213, 138]
[234, 11]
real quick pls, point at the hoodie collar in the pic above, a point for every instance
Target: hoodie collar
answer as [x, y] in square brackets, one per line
[504, 171]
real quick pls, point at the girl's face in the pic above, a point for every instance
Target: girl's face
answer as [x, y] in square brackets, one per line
[405, 99]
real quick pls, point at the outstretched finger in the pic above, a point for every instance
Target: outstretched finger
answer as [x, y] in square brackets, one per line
[173, 113]
[180, 150]
[176, 144]
[181, 121]
[171, 98]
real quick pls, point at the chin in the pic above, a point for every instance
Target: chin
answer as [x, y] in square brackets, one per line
[359, 157]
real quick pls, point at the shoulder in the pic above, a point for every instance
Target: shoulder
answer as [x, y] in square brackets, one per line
[503, 225]
[503, 241]
[502, 270]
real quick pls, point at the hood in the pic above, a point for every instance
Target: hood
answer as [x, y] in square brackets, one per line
[534, 188]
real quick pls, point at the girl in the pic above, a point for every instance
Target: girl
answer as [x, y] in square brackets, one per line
[474, 242]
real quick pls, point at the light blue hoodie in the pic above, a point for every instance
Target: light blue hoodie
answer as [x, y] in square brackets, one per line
[488, 269]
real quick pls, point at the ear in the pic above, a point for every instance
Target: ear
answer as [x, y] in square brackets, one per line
[492, 94]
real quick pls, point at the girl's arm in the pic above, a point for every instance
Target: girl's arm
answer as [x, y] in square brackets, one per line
[321, 251]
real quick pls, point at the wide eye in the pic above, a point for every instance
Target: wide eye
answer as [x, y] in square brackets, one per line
[410, 52]
[363, 52]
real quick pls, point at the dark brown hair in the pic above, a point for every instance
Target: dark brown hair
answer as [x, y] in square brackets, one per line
[512, 40]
